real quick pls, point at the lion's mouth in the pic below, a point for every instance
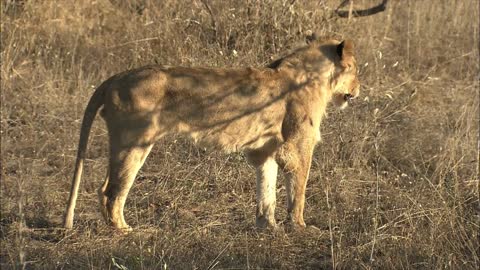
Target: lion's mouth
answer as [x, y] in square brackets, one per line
[348, 97]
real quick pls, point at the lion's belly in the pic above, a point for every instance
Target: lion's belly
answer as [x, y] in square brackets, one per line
[237, 134]
[230, 142]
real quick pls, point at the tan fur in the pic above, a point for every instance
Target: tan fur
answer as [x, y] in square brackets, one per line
[271, 113]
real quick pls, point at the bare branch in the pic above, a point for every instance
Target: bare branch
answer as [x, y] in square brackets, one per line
[362, 12]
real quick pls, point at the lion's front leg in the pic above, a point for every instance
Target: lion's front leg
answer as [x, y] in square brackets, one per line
[266, 193]
[296, 186]
[295, 160]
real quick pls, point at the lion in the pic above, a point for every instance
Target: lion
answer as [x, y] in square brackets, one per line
[271, 113]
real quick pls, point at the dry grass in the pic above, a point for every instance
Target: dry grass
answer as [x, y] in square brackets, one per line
[394, 185]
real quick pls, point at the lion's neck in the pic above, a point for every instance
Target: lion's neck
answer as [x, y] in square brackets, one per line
[311, 90]
[310, 81]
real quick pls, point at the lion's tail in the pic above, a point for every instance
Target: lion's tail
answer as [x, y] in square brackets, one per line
[96, 101]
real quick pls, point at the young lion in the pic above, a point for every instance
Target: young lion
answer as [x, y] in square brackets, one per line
[273, 114]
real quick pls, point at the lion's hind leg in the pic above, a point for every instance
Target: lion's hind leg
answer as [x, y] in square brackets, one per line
[124, 164]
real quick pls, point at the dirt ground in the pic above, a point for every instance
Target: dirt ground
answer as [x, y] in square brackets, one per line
[394, 183]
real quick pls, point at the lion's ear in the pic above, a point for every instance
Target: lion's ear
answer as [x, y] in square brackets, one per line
[311, 37]
[345, 51]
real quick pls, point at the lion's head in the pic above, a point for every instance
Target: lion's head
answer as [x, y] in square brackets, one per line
[332, 59]
[345, 83]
